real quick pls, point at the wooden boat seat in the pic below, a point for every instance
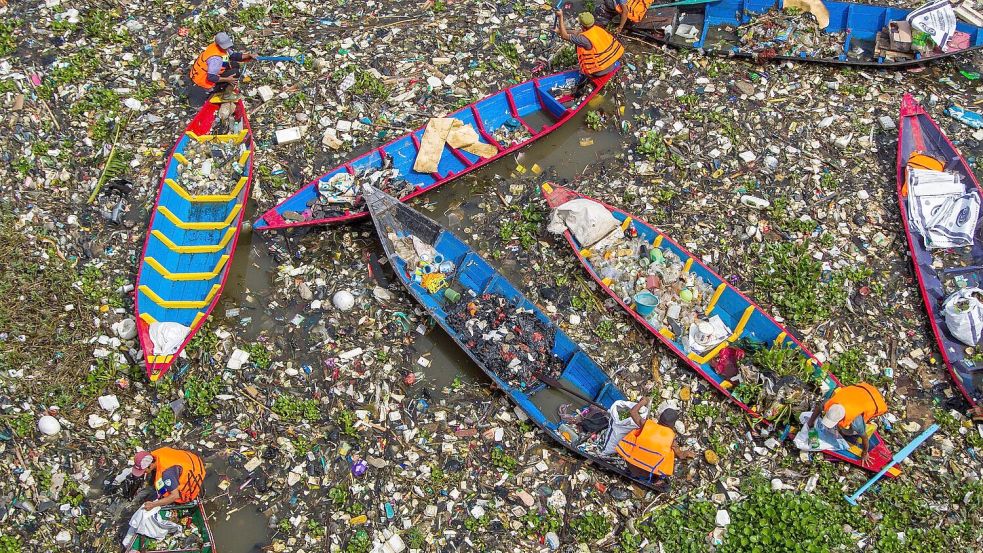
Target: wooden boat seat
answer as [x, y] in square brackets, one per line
[230, 232]
[164, 272]
[180, 304]
[200, 225]
[582, 373]
[734, 336]
[207, 198]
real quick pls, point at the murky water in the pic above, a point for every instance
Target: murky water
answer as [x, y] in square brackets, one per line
[564, 154]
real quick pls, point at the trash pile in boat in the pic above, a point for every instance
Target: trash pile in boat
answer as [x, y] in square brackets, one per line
[510, 341]
[789, 32]
[512, 132]
[213, 167]
[654, 280]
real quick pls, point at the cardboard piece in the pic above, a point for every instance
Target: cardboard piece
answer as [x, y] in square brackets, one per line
[454, 133]
[432, 144]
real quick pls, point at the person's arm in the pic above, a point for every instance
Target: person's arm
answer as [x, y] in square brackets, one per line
[242, 57]
[635, 412]
[815, 415]
[561, 29]
[681, 453]
[624, 19]
[866, 447]
[215, 71]
[166, 500]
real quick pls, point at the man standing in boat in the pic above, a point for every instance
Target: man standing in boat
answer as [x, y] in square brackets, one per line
[214, 69]
[597, 51]
[178, 475]
[651, 450]
[628, 12]
[849, 410]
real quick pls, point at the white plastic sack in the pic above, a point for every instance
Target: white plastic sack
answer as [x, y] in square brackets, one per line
[589, 221]
[964, 315]
[618, 428]
[149, 524]
[167, 336]
[829, 439]
[937, 19]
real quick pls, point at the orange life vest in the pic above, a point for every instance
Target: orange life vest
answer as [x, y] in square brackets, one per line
[859, 400]
[636, 9]
[605, 51]
[199, 69]
[649, 448]
[192, 471]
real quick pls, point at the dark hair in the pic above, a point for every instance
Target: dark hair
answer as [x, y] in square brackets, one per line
[669, 417]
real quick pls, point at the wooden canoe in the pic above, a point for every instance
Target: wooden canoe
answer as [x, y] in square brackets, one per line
[475, 275]
[917, 132]
[529, 103]
[738, 311]
[191, 239]
[853, 28]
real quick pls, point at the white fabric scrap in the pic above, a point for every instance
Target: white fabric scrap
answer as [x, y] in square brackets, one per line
[167, 336]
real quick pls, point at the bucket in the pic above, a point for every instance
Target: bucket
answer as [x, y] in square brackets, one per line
[452, 295]
[645, 303]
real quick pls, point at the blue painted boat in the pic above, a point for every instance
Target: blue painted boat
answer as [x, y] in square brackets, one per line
[855, 28]
[737, 311]
[192, 237]
[529, 104]
[474, 275]
[918, 133]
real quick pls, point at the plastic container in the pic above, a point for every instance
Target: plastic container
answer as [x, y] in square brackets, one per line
[645, 303]
[452, 295]
[568, 433]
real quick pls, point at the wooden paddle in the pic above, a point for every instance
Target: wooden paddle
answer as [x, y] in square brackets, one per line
[552, 383]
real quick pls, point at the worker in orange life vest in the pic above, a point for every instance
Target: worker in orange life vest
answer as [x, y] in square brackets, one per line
[849, 410]
[628, 12]
[214, 69]
[597, 51]
[178, 475]
[651, 450]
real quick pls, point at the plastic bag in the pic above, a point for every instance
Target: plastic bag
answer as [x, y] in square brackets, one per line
[590, 222]
[964, 315]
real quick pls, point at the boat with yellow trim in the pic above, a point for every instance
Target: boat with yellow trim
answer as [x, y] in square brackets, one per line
[744, 320]
[192, 236]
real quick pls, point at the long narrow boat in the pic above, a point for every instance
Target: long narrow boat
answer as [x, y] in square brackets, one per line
[530, 110]
[474, 278]
[193, 231]
[744, 319]
[940, 275]
[724, 28]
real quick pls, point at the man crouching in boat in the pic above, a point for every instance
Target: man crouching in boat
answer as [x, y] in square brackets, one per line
[650, 448]
[628, 12]
[849, 411]
[178, 475]
[214, 69]
[597, 51]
